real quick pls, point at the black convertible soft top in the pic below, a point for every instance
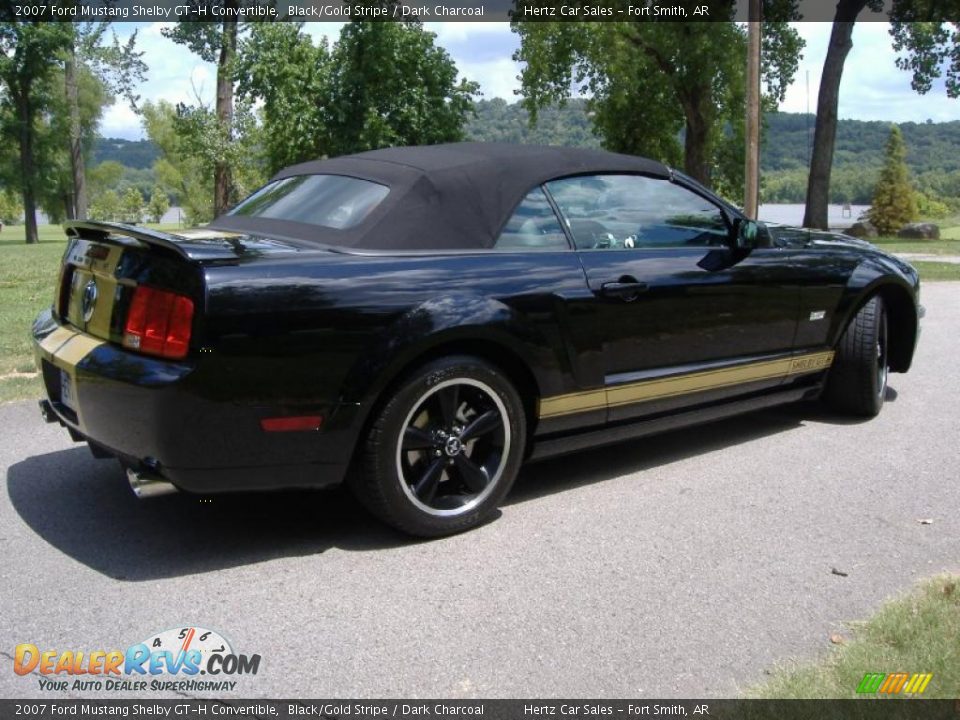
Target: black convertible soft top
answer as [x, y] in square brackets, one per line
[455, 196]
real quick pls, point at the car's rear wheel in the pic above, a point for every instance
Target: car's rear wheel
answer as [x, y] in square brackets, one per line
[444, 450]
[857, 382]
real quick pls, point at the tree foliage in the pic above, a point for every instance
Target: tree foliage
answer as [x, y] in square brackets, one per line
[381, 84]
[115, 68]
[648, 81]
[180, 173]
[279, 66]
[928, 50]
[73, 124]
[215, 42]
[894, 203]
[106, 207]
[158, 204]
[132, 206]
[29, 53]
[391, 84]
[10, 208]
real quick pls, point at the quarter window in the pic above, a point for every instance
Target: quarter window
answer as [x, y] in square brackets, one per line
[533, 226]
[621, 212]
[332, 201]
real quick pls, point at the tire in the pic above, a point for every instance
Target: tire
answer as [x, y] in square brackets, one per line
[443, 450]
[857, 381]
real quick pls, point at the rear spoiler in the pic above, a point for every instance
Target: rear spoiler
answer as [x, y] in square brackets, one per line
[94, 230]
[197, 245]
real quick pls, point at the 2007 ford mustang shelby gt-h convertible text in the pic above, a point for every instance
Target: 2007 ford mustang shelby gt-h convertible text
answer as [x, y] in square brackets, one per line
[419, 321]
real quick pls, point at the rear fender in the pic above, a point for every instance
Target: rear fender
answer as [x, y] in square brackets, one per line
[457, 322]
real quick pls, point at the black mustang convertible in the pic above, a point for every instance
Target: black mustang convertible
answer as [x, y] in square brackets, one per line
[419, 321]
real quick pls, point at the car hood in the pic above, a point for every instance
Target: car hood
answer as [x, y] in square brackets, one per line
[808, 236]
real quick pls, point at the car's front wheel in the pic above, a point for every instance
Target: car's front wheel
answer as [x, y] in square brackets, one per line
[857, 382]
[444, 449]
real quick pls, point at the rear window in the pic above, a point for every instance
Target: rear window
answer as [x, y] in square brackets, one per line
[331, 201]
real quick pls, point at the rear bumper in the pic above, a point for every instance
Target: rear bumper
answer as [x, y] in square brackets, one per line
[173, 418]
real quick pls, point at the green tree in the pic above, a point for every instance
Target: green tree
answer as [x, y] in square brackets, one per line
[179, 172]
[116, 68]
[68, 137]
[650, 80]
[279, 66]
[103, 177]
[29, 53]
[929, 49]
[106, 206]
[132, 206]
[158, 204]
[216, 42]
[894, 203]
[10, 209]
[391, 85]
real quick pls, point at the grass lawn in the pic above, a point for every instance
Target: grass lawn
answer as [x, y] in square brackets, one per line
[914, 634]
[943, 246]
[28, 274]
[937, 270]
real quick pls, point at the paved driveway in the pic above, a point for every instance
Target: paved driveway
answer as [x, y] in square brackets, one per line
[683, 565]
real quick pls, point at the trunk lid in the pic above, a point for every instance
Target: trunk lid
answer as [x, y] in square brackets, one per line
[105, 263]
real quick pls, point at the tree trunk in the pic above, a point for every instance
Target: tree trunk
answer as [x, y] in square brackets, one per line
[222, 181]
[27, 170]
[751, 174]
[77, 207]
[828, 99]
[696, 162]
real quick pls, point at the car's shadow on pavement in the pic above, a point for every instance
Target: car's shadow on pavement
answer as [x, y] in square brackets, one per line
[84, 507]
[631, 456]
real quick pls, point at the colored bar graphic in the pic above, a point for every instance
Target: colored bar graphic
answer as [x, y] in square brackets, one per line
[894, 683]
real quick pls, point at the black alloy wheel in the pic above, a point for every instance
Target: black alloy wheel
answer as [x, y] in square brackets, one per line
[444, 450]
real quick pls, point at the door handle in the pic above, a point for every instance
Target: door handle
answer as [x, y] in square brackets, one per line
[626, 288]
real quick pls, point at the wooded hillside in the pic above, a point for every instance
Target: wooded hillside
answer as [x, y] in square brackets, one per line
[932, 148]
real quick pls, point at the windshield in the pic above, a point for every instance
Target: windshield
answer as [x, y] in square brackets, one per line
[331, 201]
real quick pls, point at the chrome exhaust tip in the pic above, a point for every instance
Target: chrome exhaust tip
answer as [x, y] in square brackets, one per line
[147, 485]
[47, 412]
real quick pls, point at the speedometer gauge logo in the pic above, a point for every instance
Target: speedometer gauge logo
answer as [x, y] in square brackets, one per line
[201, 643]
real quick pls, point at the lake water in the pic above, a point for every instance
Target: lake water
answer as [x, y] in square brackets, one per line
[837, 216]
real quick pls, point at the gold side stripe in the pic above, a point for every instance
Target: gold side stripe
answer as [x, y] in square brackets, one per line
[677, 385]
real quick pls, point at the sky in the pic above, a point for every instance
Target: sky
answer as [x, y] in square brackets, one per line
[872, 89]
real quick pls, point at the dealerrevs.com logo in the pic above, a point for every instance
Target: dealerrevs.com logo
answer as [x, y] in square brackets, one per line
[177, 660]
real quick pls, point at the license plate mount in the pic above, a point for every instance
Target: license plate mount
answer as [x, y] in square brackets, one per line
[67, 391]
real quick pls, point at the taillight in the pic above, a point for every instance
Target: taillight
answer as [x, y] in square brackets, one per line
[158, 323]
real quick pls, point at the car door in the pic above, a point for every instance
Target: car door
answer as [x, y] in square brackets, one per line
[678, 315]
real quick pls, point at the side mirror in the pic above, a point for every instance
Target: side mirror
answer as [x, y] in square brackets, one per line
[747, 234]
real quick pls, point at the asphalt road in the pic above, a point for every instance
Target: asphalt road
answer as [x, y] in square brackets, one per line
[683, 565]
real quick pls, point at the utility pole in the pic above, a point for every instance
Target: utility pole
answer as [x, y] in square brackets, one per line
[752, 173]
